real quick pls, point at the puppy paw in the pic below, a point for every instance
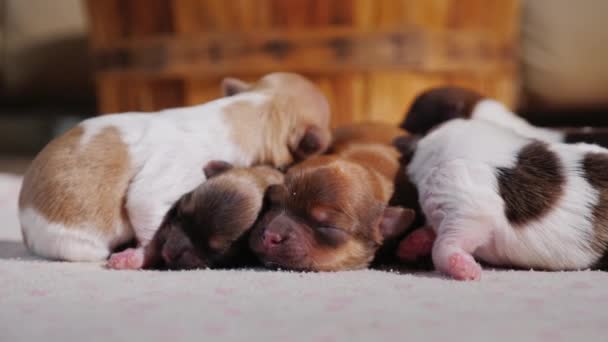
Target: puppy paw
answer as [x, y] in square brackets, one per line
[463, 267]
[129, 259]
[417, 244]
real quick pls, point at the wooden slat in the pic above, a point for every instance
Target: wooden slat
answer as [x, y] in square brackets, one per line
[106, 22]
[147, 17]
[109, 94]
[370, 57]
[335, 50]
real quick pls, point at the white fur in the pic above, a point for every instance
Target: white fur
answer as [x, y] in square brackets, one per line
[168, 151]
[454, 169]
[55, 241]
[495, 112]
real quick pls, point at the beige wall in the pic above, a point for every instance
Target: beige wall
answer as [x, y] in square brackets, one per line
[565, 52]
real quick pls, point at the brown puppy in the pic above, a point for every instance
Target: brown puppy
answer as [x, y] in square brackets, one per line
[207, 227]
[332, 214]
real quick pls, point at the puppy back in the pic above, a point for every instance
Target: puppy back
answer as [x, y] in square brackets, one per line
[72, 184]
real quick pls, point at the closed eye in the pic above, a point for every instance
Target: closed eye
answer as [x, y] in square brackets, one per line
[332, 236]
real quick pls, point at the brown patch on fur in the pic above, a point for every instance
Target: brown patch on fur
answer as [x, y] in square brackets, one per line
[49, 185]
[438, 105]
[296, 113]
[258, 132]
[381, 163]
[595, 166]
[533, 186]
[351, 187]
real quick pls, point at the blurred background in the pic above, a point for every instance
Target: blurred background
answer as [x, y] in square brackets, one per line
[64, 60]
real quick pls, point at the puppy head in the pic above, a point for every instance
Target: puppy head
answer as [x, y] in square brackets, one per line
[208, 227]
[324, 219]
[438, 105]
[299, 114]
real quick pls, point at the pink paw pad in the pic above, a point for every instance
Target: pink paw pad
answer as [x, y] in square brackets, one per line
[129, 259]
[463, 267]
[418, 243]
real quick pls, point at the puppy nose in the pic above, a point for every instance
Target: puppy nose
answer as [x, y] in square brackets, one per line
[272, 239]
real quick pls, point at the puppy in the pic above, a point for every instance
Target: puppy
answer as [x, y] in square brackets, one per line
[113, 178]
[332, 214]
[438, 105]
[207, 227]
[509, 200]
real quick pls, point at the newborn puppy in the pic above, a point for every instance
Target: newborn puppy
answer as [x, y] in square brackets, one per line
[332, 214]
[438, 105]
[112, 178]
[207, 227]
[510, 200]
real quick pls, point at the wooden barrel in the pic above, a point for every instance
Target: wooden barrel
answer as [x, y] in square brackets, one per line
[371, 57]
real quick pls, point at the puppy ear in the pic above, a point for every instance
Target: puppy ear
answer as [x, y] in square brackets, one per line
[275, 193]
[232, 86]
[395, 221]
[315, 140]
[215, 167]
[407, 144]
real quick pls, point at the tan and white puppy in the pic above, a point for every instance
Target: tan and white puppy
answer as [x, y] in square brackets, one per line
[112, 179]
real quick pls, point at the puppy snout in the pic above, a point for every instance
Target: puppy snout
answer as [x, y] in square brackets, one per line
[171, 255]
[273, 239]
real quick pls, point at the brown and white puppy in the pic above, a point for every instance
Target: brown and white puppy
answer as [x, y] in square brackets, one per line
[438, 105]
[209, 226]
[113, 178]
[506, 199]
[332, 214]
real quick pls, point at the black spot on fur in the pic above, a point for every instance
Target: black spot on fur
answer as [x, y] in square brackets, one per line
[438, 105]
[596, 136]
[533, 186]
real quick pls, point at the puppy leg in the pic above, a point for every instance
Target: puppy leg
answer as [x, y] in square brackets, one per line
[129, 259]
[146, 215]
[454, 246]
[145, 256]
[418, 243]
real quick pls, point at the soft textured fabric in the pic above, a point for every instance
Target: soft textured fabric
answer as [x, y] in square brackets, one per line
[57, 301]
